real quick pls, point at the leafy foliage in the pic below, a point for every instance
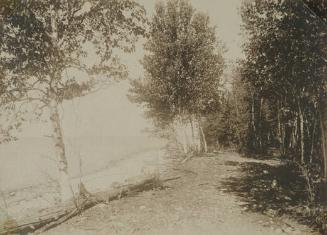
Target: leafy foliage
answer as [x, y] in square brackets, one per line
[284, 70]
[58, 50]
[42, 40]
[183, 64]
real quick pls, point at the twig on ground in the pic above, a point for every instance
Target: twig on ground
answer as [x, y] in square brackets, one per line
[186, 159]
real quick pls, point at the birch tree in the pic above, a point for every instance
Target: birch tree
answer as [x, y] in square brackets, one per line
[183, 67]
[54, 50]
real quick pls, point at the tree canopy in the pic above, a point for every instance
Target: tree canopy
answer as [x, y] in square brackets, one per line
[284, 73]
[51, 51]
[41, 40]
[183, 64]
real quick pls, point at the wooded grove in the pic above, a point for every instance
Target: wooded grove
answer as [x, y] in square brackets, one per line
[183, 68]
[284, 76]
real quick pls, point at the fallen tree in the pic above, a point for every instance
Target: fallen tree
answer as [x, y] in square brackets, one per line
[56, 216]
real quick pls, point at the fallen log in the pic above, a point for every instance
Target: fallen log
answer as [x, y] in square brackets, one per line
[84, 201]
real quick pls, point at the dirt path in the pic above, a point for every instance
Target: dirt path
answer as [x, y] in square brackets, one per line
[196, 203]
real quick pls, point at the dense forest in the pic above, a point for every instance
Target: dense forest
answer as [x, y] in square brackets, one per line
[283, 75]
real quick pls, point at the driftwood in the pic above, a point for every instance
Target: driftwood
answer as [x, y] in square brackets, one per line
[85, 200]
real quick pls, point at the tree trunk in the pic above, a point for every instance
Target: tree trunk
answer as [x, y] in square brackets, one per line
[203, 138]
[313, 138]
[238, 117]
[66, 191]
[193, 140]
[186, 129]
[260, 129]
[181, 133]
[323, 129]
[188, 133]
[323, 126]
[280, 131]
[294, 133]
[253, 126]
[301, 120]
[196, 133]
[284, 140]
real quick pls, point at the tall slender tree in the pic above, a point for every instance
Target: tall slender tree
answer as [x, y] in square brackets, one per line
[183, 68]
[41, 41]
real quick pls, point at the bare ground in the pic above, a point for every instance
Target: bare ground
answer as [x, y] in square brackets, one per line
[199, 202]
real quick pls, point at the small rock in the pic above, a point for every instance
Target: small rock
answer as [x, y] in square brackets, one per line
[265, 172]
[288, 198]
[274, 183]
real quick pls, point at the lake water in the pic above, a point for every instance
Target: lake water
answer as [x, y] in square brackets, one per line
[28, 169]
[30, 161]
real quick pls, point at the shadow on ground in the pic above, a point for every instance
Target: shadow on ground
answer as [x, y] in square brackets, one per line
[274, 190]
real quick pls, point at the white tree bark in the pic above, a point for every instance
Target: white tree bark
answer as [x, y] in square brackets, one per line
[179, 134]
[197, 143]
[204, 140]
[66, 191]
[188, 134]
[301, 120]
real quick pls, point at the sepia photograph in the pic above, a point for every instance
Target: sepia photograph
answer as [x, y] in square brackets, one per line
[163, 117]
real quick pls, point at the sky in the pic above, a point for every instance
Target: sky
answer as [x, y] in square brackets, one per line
[109, 112]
